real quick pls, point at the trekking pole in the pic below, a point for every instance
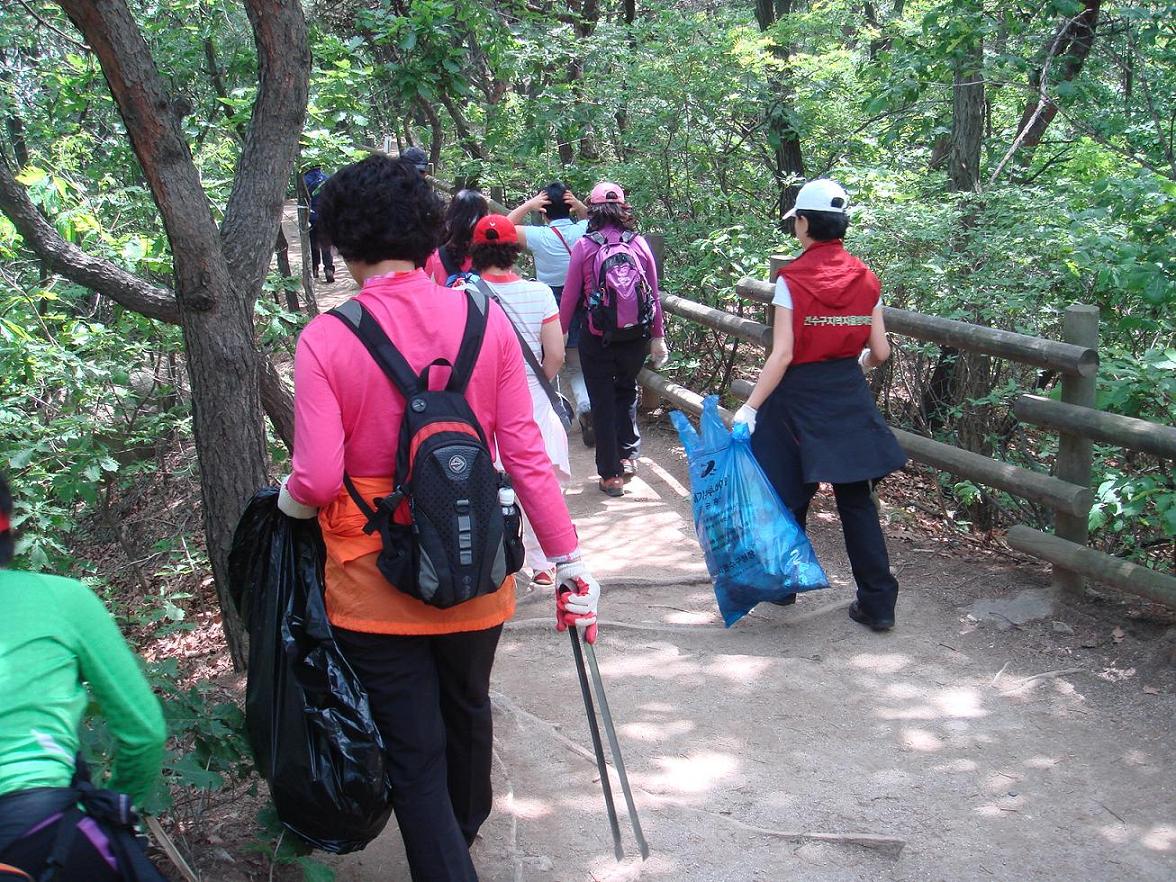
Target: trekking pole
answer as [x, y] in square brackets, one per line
[615, 746]
[597, 746]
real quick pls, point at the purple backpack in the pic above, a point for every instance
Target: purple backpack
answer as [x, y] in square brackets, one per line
[620, 303]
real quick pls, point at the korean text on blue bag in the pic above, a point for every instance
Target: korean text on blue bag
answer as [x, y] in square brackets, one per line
[754, 549]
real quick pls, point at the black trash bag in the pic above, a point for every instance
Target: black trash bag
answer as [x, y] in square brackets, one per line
[308, 719]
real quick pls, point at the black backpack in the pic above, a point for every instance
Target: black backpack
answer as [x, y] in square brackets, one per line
[446, 538]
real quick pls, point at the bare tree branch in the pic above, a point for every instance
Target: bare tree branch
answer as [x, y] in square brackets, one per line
[77, 44]
[158, 139]
[1071, 44]
[124, 288]
[75, 264]
[254, 208]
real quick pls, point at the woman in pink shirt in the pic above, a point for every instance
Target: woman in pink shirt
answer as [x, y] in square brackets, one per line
[466, 208]
[426, 670]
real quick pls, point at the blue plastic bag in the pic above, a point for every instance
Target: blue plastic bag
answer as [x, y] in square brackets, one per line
[755, 550]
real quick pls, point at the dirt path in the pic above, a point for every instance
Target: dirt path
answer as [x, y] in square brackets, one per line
[1001, 733]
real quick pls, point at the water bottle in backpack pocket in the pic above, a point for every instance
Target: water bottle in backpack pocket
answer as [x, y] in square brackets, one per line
[620, 303]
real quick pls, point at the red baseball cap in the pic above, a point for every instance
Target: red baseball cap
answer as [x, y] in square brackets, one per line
[495, 229]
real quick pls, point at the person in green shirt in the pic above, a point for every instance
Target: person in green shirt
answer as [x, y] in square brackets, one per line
[57, 638]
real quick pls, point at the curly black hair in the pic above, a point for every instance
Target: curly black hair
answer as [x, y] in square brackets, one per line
[611, 214]
[465, 209]
[380, 209]
[6, 543]
[502, 256]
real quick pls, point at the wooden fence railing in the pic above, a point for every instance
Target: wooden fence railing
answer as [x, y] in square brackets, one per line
[1078, 424]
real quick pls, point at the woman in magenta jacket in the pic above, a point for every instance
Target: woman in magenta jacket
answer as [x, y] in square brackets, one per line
[611, 366]
[426, 670]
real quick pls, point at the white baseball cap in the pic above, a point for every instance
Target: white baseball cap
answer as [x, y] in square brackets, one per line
[823, 194]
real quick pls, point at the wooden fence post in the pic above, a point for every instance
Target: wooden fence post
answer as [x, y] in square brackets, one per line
[657, 244]
[1079, 326]
[776, 263]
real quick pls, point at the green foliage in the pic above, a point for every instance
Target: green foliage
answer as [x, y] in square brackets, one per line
[284, 849]
[83, 402]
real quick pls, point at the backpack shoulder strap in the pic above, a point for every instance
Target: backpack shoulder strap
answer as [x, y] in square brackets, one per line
[451, 268]
[372, 336]
[628, 236]
[528, 353]
[471, 340]
[596, 237]
[561, 238]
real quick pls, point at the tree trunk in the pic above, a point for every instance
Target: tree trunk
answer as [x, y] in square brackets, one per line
[787, 154]
[967, 118]
[282, 251]
[1064, 56]
[218, 274]
[622, 114]
[465, 134]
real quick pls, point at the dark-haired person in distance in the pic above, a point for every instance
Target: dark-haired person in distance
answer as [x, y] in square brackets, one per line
[452, 257]
[426, 670]
[418, 158]
[812, 414]
[551, 245]
[320, 248]
[611, 368]
[56, 639]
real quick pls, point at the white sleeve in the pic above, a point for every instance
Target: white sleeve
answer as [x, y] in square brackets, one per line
[782, 297]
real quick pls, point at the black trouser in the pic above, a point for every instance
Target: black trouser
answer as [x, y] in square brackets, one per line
[430, 697]
[610, 372]
[877, 589]
[26, 811]
[320, 251]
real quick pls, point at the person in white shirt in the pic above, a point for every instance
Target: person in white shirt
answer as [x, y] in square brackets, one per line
[551, 245]
[532, 309]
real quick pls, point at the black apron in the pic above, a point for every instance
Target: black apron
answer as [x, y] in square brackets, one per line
[820, 425]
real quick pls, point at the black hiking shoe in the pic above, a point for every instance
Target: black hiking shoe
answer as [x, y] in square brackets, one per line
[788, 600]
[587, 432]
[330, 277]
[859, 615]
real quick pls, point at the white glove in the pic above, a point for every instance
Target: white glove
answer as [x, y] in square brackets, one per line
[577, 597]
[659, 353]
[291, 507]
[746, 414]
[864, 360]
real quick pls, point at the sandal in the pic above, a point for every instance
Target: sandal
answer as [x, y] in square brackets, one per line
[612, 486]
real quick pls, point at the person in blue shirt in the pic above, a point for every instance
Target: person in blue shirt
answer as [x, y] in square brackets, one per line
[320, 249]
[551, 245]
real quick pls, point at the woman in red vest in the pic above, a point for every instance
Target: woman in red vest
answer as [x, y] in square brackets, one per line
[812, 415]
